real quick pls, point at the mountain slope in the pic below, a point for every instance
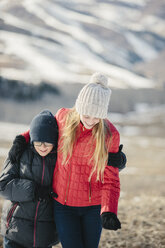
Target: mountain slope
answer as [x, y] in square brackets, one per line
[61, 41]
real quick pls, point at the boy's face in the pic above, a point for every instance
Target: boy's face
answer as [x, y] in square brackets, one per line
[43, 148]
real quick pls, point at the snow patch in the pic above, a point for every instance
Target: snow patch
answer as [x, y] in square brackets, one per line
[142, 48]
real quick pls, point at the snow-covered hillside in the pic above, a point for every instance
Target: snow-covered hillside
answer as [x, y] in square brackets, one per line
[66, 41]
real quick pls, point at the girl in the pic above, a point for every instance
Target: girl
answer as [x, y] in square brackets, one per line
[85, 185]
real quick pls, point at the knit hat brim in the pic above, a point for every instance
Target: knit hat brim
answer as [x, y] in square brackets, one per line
[93, 110]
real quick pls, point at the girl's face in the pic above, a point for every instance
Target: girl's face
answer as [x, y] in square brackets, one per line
[43, 149]
[88, 121]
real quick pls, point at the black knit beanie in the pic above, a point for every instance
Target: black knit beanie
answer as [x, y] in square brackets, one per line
[44, 128]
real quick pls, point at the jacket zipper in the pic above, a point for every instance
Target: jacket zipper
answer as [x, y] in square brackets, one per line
[68, 185]
[10, 214]
[90, 191]
[43, 171]
[35, 219]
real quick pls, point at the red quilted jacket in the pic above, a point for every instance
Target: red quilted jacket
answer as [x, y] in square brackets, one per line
[71, 182]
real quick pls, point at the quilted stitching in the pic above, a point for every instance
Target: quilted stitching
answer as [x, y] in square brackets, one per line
[71, 181]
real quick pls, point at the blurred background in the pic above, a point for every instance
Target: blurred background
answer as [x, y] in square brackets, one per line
[48, 51]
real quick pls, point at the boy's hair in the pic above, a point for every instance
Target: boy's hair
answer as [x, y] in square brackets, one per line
[99, 141]
[44, 128]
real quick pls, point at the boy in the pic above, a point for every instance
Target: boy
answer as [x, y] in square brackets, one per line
[27, 216]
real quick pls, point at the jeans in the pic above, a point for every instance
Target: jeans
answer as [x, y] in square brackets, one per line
[7, 243]
[78, 227]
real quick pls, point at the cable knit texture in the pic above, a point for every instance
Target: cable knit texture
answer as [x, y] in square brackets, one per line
[70, 181]
[94, 97]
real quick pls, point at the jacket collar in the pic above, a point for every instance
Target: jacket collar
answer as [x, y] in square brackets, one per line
[83, 129]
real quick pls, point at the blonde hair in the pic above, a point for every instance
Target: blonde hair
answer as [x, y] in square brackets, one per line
[99, 139]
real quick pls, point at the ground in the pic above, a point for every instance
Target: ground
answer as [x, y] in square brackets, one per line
[142, 199]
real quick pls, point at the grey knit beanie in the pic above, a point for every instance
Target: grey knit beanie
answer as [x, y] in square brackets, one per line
[93, 99]
[43, 127]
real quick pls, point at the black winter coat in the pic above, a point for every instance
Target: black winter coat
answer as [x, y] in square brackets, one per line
[25, 220]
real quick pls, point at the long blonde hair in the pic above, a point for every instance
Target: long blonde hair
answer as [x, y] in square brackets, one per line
[99, 138]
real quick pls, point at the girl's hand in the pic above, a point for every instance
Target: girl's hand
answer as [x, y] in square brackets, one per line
[17, 149]
[117, 159]
[110, 221]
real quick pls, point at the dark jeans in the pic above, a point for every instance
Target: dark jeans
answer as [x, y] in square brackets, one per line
[78, 227]
[7, 243]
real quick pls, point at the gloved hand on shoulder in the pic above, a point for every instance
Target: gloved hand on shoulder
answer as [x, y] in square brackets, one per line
[117, 159]
[110, 221]
[17, 149]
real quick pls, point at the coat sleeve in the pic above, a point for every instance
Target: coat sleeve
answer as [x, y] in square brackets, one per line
[26, 135]
[12, 187]
[111, 185]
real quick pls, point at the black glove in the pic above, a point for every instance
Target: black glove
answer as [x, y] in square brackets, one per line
[17, 149]
[117, 159]
[54, 195]
[42, 193]
[110, 221]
